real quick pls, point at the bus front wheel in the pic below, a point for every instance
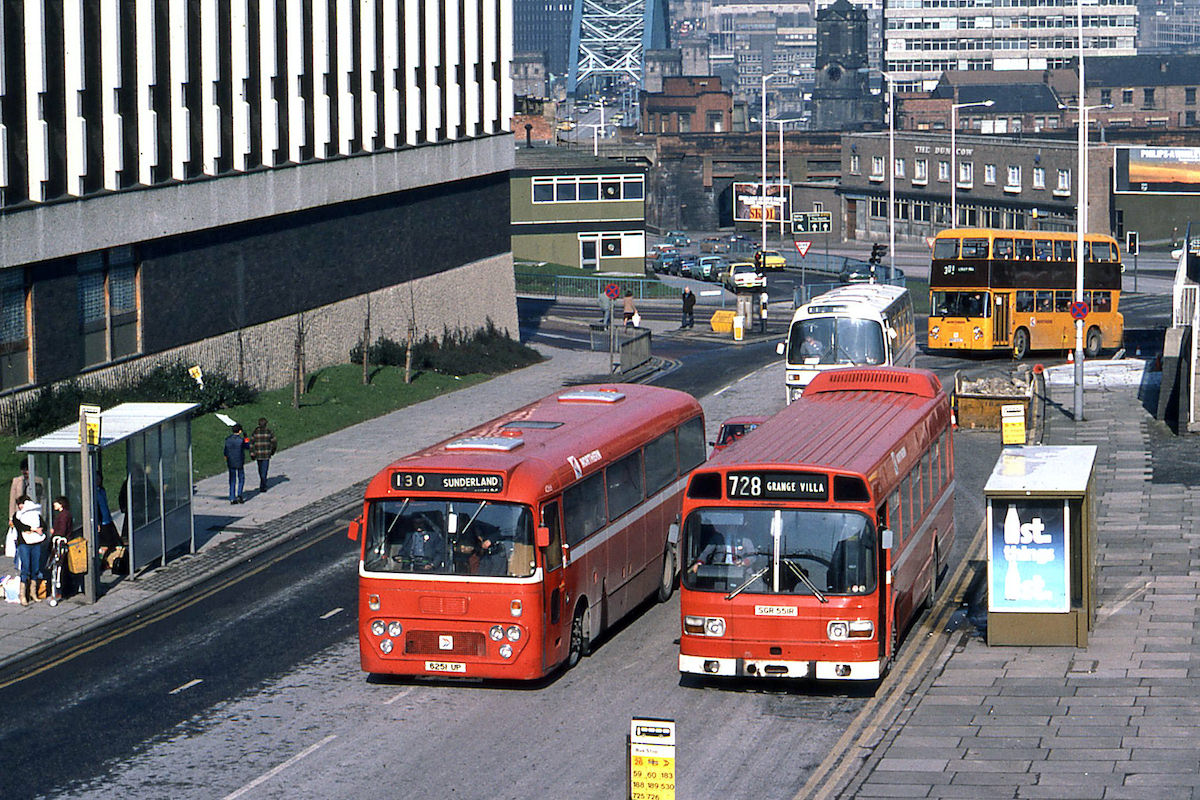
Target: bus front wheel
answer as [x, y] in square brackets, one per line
[1020, 343]
[666, 586]
[580, 641]
[1093, 343]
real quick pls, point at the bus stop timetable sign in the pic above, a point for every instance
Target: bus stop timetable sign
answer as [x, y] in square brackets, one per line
[652, 759]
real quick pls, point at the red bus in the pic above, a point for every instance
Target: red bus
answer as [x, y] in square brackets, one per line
[505, 551]
[811, 546]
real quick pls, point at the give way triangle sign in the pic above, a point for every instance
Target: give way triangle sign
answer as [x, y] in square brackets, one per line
[802, 247]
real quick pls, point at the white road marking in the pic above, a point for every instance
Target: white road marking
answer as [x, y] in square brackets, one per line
[186, 686]
[329, 614]
[272, 773]
[402, 693]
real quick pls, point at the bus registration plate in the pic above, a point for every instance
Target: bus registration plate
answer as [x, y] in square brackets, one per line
[774, 611]
[445, 666]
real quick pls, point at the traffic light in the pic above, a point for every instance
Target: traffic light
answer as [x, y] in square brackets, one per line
[1131, 242]
[878, 251]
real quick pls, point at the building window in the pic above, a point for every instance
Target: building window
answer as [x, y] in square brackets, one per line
[876, 166]
[585, 188]
[920, 211]
[900, 165]
[855, 165]
[1014, 178]
[944, 171]
[108, 305]
[1039, 177]
[1189, 118]
[1189, 96]
[921, 171]
[989, 174]
[14, 329]
[1127, 97]
[879, 209]
[966, 173]
[1106, 96]
[1064, 180]
[1148, 97]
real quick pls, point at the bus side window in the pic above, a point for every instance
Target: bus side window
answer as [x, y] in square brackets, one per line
[1042, 250]
[1062, 300]
[1045, 301]
[1024, 249]
[660, 463]
[1101, 301]
[624, 484]
[691, 445]
[552, 555]
[945, 248]
[1102, 251]
[583, 509]
[1063, 251]
[1024, 302]
[1002, 249]
[974, 248]
[894, 521]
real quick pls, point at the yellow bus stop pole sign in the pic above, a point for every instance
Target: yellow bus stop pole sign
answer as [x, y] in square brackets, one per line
[652, 759]
[91, 419]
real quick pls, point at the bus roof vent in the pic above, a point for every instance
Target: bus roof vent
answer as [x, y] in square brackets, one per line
[592, 396]
[919, 382]
[501, 443]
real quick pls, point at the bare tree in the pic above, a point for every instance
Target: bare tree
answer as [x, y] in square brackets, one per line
[366, 341]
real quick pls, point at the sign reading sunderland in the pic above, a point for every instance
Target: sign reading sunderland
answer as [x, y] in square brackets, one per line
[447, 482]
[1156, 170]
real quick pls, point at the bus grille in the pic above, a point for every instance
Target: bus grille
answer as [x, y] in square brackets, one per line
[442, 605]
[425, 643]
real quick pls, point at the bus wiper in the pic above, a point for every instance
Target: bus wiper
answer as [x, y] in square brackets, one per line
[799, 573]
[482, 503]
[388, 533]
[749, 581]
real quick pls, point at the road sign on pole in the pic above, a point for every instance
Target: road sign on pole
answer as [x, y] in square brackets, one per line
[1079, 309]
[802, 248]
[812, 221]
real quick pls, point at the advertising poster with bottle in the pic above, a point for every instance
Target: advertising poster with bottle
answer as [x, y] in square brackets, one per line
[1028, 564]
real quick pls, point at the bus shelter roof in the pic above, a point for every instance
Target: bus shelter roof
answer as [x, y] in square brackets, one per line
[116, 424]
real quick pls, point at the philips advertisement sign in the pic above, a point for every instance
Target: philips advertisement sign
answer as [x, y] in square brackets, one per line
[1156, 170]
[749, 203]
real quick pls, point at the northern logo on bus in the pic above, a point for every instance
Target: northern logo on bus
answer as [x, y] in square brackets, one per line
[578, 465]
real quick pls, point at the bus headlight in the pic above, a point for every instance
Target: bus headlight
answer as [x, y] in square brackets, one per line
[377, 627]
[395, 629]
[934, 331]
[978, 332]
[704, 626]
[840, 630]
[514, 633]
[496, 633]
[386, 646]
[506, 651]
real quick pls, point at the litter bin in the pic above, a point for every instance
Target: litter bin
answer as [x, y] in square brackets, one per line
[739, 323]
[1041, 547]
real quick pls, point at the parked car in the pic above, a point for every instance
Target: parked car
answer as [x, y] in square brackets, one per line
[709, 268]
[856, 271]
[678, 238]
[687, 266]
[672, 264]
[742, 275]
[770, 259]
[714, 244]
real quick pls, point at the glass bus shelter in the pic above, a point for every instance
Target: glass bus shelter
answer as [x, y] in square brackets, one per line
[156, 493]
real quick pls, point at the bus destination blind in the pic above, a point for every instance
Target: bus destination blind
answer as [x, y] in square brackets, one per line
[777, 486]
[447, 482]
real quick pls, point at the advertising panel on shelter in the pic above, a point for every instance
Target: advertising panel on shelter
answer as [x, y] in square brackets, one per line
[748, 202]
[1156, 170]
[1028, 567]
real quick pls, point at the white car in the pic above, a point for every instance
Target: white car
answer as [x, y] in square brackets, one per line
[743, 276]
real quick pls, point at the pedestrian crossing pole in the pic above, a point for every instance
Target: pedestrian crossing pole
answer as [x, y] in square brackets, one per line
[88, 414]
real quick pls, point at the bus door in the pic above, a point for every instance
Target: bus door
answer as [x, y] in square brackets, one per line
[555, 622]
[888, 518]
[1000, 321]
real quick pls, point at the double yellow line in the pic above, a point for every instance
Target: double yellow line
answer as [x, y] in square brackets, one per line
[843, 762]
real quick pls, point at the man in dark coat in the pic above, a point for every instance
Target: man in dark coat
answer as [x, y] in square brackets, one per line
[689, 304]
[235, 459]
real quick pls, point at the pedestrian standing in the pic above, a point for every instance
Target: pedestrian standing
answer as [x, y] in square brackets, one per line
[236, 445]
[262, 447]
[689, 305]
[30, 535]
[628, 308]
[606, 305]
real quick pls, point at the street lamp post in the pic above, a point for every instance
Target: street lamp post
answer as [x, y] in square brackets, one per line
[954, 107]
[763, 208]
[891, 95]
[780, 123]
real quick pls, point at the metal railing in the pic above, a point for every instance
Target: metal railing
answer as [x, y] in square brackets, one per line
[585, 286]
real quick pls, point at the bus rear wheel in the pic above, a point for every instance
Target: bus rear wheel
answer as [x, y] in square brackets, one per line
[1093, 343]
[1020, 346]
[580, 642]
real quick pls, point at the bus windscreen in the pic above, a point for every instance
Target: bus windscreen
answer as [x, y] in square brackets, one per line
[836, 340]
[449, 537]
[732, 550]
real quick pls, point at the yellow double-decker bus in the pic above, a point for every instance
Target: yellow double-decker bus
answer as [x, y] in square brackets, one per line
[995, 289]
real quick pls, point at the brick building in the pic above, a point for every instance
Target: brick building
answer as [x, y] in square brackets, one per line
[687, 105]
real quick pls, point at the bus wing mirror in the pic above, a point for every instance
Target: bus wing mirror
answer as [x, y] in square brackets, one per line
[355, 527]
[886, 537]
[779, 348]
[893, 333]
[542, 536]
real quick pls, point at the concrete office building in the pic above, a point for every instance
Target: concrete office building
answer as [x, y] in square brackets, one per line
[195, 181]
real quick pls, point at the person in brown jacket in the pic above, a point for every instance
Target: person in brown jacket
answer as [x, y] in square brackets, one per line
[262, 447]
